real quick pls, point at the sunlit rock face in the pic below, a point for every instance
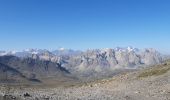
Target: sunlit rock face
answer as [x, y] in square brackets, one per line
[150, 57]
[99, 60]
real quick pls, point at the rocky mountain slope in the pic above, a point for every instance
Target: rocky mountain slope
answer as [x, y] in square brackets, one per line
[152, 83]
[37, 63]
[12, 67]
[7, 72]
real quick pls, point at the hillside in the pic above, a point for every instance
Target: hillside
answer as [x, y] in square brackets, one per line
[152, 83]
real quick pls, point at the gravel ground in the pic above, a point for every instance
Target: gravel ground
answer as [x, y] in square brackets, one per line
[127, 86]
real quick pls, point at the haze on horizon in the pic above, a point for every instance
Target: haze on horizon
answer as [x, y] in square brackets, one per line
[83, 24]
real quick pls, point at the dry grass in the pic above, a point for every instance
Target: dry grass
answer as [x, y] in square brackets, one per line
[156, 70]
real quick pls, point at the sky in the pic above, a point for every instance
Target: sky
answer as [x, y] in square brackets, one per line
[83, 24]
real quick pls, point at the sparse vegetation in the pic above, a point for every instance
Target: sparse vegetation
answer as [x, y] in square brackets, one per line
[156, 70]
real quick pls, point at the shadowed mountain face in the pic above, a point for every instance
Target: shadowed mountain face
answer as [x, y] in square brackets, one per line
[13, 68]
[8, 74]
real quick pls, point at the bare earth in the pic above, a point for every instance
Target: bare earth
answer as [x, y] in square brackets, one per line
[138, 85]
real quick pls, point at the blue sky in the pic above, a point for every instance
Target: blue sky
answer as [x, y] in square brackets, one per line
[82, 24]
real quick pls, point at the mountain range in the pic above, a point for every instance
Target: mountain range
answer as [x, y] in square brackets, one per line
[36, 64]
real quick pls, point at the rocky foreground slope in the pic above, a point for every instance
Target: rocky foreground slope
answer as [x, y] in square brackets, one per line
[152, 83]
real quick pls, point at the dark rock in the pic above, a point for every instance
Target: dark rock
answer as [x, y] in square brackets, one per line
[27, 95]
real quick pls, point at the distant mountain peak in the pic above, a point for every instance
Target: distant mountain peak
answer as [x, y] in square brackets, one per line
[62, 49]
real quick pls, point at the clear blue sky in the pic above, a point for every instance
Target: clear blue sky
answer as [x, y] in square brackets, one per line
[82, 24]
